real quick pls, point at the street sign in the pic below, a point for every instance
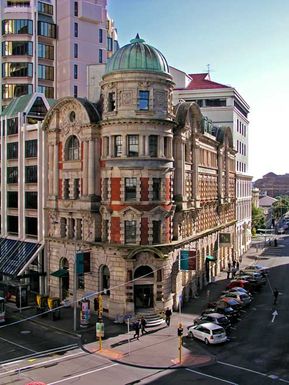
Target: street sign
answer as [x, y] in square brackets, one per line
[274, 314]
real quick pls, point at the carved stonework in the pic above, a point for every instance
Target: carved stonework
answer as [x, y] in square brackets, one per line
[160, 99]
[126, 98]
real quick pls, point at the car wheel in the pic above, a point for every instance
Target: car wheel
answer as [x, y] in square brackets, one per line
[190, 334]
[206, 341]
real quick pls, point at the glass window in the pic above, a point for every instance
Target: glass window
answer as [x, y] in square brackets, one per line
[12, 224]
[46, 29]
[75, 71]
[45, 51]
[12, 175]
[104, 279]
[17, 48]
[156, 189]
[66, 189]
[45, 8]
[17, 69]
[105, 189]
[31, 148]
[105, 229]
[19, 26]
[14, 90]
[130, 188]
[76, 188]
[12, 126]
[132, 145]
[100, 56]
[31, 199]
[75, 91]
[75, 29]
[47, 91]
[130, 231]
[117, 145]
[109, 44]
[45, 72]
[31, 174]
[166, 146]
[72, 148]
[153, 145]
[31, 227]
[100, 35]
[143, 100]
[12, 199]
[75, 49]
[111, 101]
[76, 8]
[157, 231]
[12, 150]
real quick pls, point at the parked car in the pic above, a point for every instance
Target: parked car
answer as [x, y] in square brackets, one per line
[255, 278]
[208, 332]
[238, 289]
[256, 269]
[216, 318]
[233, 303]
[240, 283]
[229, 312]
[243, 298]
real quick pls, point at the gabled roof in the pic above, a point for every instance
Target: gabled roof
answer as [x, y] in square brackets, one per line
[203, 81]
[266, 201]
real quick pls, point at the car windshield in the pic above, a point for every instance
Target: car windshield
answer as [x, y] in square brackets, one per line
[222, 320]
[217, 331]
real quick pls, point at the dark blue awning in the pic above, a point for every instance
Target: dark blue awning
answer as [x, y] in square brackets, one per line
[15, 255]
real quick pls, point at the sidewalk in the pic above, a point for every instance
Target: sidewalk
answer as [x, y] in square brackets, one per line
[156, 349]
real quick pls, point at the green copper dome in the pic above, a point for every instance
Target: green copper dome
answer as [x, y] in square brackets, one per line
[137, 56]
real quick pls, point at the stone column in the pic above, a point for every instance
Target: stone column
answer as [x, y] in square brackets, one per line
[91, 151]
[56, 171]
[85, 168]
[50, 176]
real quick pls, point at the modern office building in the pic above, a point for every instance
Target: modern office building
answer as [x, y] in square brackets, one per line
[47, 45]
[135, 184]
[224, 106]
[23, 191]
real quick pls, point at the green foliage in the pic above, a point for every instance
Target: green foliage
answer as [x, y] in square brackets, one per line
[280, 207]
[258, 218]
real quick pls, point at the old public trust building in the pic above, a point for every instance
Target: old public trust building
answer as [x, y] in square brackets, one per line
[132, 181]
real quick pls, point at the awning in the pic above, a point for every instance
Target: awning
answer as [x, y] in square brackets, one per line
[15, 255]
[211, 258]
[61, 273]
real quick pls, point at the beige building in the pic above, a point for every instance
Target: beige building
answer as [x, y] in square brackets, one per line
[132, 184]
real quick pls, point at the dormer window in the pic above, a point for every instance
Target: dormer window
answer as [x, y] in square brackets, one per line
[111, 102]
[143, 100]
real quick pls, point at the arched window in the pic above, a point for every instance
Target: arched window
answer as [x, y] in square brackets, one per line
[72, 148]
[143, 272]
[104, 279]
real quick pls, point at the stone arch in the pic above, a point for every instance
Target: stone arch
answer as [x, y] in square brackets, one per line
[144, 286]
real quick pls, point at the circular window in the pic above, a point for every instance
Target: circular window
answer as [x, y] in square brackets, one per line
[72, 116]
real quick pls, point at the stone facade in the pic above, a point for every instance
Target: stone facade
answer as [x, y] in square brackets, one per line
[153, 180]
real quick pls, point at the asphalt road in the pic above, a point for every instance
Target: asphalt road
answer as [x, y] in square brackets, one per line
[257, 353]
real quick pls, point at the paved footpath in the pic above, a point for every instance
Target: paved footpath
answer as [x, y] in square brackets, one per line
[159, 347]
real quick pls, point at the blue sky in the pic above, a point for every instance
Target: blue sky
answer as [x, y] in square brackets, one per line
[246, 43]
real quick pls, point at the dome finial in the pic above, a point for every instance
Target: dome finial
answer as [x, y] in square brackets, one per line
[137, 39]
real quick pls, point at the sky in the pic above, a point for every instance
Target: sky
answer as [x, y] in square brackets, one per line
[246, 43]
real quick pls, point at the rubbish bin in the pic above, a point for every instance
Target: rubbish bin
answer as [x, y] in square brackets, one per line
[53, 303]
[41, 302]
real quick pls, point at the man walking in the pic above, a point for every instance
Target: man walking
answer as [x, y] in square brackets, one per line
[168, 314]
[143, 323]
[136, 327]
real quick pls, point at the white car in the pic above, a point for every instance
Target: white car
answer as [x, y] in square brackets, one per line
[256, 268]
[208, 332]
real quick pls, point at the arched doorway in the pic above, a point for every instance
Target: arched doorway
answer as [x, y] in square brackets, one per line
[64, 280]
[144, 287]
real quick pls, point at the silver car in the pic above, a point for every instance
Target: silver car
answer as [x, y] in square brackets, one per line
[209, 332]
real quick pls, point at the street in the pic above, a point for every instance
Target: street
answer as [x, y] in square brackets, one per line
[257, 352]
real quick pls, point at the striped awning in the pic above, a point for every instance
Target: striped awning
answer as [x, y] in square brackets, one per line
[15, 255]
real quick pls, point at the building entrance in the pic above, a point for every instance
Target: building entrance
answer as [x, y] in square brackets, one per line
[143, 296]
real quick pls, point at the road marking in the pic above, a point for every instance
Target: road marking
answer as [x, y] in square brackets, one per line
[20, 346]
[207, 375]
[249, 370]
[274, 314]
[83, 374]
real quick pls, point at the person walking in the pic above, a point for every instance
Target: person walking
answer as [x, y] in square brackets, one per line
[168, 315]
[238, 265]
[275, 294]
[136, 327]
[234, 271]
[228, 272]
[143, 323]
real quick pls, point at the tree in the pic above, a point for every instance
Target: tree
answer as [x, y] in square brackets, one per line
[258, 218]
[280, 207]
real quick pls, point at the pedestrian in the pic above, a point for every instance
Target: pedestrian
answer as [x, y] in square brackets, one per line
[229, 265]
[275, 294]
[234, 263]
[168, 315]
[228, 273]
[238, 265]
[136, 327]
[234, 270]
[143, 323]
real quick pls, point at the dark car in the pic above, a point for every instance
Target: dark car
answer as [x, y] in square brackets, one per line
[240, 282]
[229, 302]
[230, 313]
[216, 318]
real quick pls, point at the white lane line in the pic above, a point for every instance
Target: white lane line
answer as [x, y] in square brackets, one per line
[81, 375]
[249, 370]
[207, 375]
[32, 366]
[19, 346]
